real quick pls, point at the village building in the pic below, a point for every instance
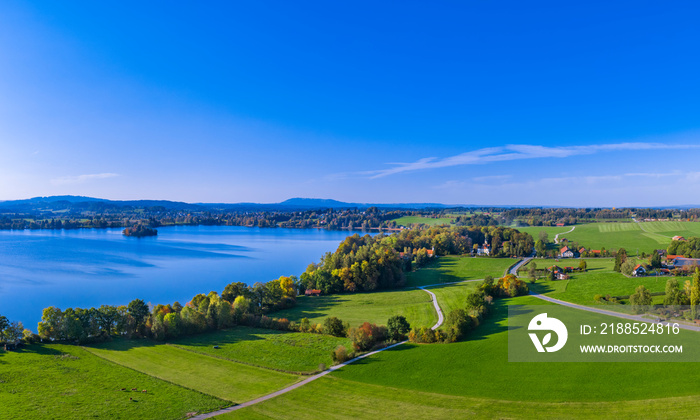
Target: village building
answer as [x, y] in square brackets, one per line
[484, 249]
[639, 271]
[567, 252]
[312, 292]
[685, 263]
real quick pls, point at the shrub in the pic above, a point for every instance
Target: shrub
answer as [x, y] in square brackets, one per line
[397, 327]
[334, 326]
[341, 355]
[366, 336]
[458, 324]
[422, 335]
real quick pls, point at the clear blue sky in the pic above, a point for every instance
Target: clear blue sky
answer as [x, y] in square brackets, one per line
[534, 103]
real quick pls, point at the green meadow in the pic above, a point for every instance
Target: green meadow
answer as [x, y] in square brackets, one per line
[353, 400]
[453, 268]
[473, 378]
[643, 236]
[67, 382]
[430, 221]
[357, 308]
[599, 279]
[227, 380]
[287, 351]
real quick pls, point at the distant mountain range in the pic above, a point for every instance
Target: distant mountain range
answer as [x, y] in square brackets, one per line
[62, 202]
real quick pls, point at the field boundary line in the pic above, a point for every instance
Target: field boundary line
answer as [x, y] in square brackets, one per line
[291, 372]
[154, 376]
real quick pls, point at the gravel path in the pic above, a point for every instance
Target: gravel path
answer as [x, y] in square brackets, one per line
[441, 319]
[556, 237]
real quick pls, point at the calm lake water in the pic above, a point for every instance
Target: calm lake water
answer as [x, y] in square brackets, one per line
[93, 267]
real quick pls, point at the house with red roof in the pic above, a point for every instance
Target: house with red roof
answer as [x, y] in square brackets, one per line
[639, 271]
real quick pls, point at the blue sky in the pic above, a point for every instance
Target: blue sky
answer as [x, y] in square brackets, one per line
[533, 103]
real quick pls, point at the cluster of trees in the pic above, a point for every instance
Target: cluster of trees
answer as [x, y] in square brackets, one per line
[238, 304]
[140, 231]
[366, 263]
[12, 332]
[504, 241]
[359, 264]
[689, 248]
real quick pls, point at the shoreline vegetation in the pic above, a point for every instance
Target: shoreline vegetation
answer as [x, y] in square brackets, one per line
[85, 212]
[140, 231]
[360, 264]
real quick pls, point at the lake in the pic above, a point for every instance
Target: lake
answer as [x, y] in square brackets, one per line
[92, 267]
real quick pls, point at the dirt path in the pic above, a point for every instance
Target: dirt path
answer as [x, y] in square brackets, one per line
[441, 319]
[556, 237]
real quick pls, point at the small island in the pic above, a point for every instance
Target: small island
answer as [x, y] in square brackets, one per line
[140, 231]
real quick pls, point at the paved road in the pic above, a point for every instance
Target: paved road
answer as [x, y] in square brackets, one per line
[514, 269]
[637, 318]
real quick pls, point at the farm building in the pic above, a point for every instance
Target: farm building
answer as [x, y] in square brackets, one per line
[562, 276]
[678, 238]
[639, 271]
[567, 252]
[686, 263]
[312, 292]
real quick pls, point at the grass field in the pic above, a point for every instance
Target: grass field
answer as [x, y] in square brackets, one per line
[67, 382]
[453, 268]
[357, 308]
[599, 279]
[288, 351]
[223, 379]
[353, 400]
[645, 236]
[473, 378]
[409, 220]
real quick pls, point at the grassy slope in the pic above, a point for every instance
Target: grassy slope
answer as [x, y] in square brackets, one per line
[353, 400]
[296, 352]
[409, 220]
[457, 268]
[357, 308]
[59, 381]
[221, 378]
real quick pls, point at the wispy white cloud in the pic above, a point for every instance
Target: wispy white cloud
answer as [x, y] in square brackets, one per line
[79, 179]
[516, 152]
[491, 178]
